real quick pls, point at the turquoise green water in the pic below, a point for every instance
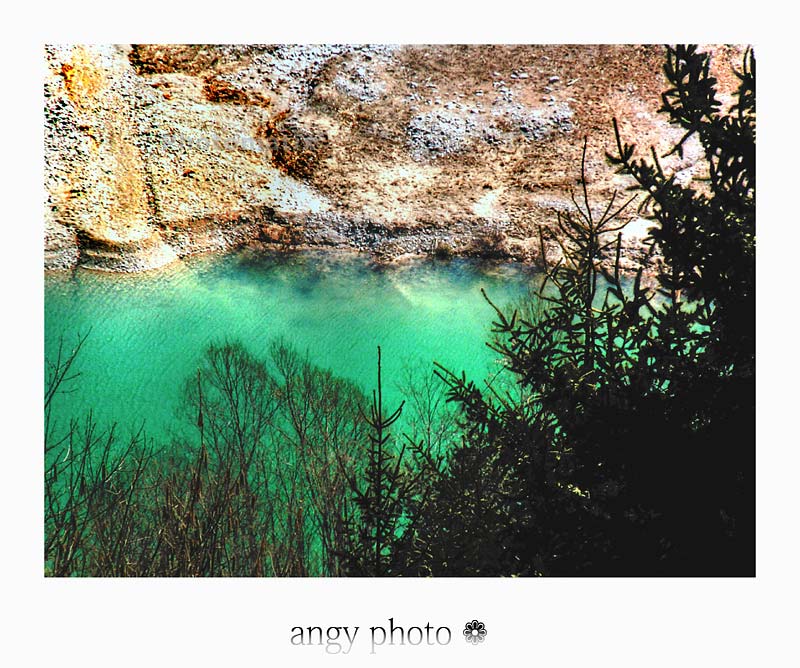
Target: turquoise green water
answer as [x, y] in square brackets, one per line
[149, 331]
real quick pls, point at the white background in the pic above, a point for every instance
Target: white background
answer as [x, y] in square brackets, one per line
[614, 622]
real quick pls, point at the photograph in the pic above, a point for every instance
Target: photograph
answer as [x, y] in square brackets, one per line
[326, 310]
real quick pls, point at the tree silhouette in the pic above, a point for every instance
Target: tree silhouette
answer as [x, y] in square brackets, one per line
[625, 444]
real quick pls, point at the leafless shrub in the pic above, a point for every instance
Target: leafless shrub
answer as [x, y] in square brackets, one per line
[259, 489]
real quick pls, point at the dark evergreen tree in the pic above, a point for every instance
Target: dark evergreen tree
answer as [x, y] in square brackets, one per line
[626, 446]
[381, 493]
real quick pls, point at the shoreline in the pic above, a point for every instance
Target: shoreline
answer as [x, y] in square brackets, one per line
[157, 153]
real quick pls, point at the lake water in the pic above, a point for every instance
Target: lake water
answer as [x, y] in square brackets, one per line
[148, 331]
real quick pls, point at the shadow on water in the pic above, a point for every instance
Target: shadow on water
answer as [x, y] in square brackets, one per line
[150, 330]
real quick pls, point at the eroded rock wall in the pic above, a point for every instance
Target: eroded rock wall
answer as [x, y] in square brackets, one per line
[155, 152]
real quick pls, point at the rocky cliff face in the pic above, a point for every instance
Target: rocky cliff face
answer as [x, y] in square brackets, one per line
[157, 152]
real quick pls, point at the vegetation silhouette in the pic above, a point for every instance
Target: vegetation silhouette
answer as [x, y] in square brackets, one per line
[618, 438]
[628, 446]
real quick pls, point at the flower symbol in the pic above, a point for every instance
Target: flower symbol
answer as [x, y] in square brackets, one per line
[475, 631]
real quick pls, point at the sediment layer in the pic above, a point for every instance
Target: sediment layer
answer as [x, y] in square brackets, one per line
[154, 153]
